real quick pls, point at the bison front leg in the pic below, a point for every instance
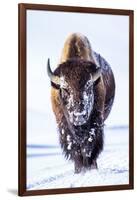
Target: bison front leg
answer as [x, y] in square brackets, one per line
[88, 164]
[94, 165]
[78, 163]
[91, 147]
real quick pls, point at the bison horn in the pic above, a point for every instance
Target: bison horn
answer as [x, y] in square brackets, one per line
[96, 74]
[53, 78]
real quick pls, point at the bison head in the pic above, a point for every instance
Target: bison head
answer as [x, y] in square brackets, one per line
[75, 81]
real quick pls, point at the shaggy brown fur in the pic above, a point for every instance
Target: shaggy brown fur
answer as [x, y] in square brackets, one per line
[77, 63]
[77, 46]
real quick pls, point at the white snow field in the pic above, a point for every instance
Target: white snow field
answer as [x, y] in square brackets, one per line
[48, 169]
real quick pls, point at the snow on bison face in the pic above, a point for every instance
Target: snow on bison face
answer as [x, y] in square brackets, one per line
[78, 103]
[75, 80]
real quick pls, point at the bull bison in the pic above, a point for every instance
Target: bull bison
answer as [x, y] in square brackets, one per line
[82, 94]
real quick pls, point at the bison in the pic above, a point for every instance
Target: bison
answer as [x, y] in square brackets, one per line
[82, 95]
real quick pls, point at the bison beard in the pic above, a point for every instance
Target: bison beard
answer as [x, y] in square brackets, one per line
[83, 147]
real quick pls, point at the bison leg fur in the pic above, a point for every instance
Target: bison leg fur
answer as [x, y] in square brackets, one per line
[78, 163]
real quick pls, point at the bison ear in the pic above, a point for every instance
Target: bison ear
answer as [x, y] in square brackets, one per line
[96, 74]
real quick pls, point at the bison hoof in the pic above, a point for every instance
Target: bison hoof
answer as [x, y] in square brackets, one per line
[94, 165]
[77, 170]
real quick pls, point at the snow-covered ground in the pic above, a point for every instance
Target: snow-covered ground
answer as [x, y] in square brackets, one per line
[47, 167]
